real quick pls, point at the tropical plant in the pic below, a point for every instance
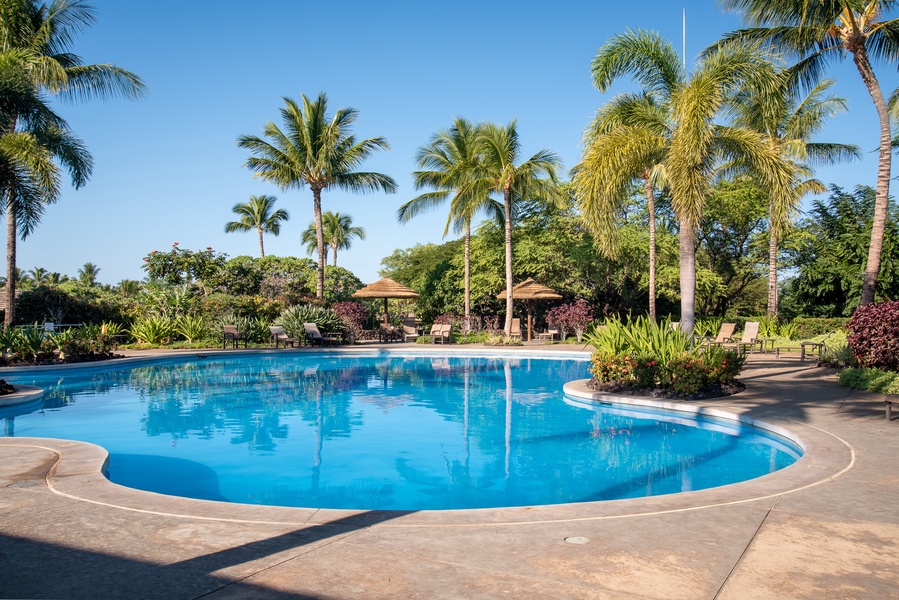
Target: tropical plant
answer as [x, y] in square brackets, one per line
[447, 164]
[293, 318]
[30, 344]
[153, 329]
[571, 317]
[88, 274]
[193, 328]
[694, 145]
[37, 41]
[499, 148]
[353, 315]
[789, 121]
[317, 150]
[816, 32]
[258, 214]
[874, 335]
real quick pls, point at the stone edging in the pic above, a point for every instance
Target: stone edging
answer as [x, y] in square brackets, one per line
[23, 394]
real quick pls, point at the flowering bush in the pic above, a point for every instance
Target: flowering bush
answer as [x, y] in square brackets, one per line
[353, 315]
[571, 317]
[874, 335]
[685, 373]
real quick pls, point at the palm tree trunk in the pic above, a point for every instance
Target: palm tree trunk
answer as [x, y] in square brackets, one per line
[507, 197]
[11, 232]
[334, 248]
[468, 277]
[872, 268]
[772, 266]
[687, 276]
[261, 247]
[651, 207]
[320, 243]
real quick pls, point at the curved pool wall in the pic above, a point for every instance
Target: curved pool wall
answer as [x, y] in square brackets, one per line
[458, 463]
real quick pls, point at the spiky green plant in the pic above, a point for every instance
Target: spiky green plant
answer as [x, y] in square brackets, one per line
[193, 327]
[154, 329]
[293, 318]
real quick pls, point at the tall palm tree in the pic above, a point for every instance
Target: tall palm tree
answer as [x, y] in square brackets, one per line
[815, 32]
[447, 162]
[339, 231]
[55, 278]
[789, 121]
[310, 240]
[88, 274]
[39, 276]
[318, 150]
[695, 146]
[497, 173]
[630, 136]
[39, 36]
[259, 214]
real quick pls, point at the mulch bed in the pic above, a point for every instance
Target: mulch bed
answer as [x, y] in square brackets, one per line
[716, 390]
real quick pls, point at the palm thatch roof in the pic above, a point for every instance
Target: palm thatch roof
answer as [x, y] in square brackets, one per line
[531, 290]
[385, 288]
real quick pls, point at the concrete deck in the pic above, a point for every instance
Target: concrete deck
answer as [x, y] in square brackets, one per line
[827, 527]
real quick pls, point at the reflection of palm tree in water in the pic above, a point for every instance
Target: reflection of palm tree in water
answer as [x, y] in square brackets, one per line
[507, 367]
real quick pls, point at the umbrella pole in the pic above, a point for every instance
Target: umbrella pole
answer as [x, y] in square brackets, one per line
[530, 318]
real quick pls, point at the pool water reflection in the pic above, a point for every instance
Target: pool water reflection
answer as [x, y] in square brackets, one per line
[386, 431]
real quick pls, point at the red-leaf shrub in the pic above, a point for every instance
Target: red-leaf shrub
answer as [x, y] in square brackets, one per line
[571, 317]
[353, 315]
[874, 335]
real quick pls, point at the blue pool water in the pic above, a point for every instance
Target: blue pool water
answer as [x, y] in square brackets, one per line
[386, 431]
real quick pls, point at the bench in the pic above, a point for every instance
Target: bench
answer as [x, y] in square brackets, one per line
[890, 400]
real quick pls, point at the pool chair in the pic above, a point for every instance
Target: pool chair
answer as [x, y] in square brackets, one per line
[230, 334]
[317, 338]
[441, 334]
[749, 340]
[410, 333]
[278, 335]
[516, 329]
[388, 333]
[549, 335]
[725, 334]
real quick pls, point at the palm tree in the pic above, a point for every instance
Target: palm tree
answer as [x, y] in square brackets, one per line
[310, 240]
[88, 274]
[129, 287]
[39, 276]
[695, 146]
[447, 164]
[55, 278]
[816, 32]
[629, 136]
[496, 173]
[259, 214]
[317, 150]
[339, 231]
[36, 40]
[789, 121]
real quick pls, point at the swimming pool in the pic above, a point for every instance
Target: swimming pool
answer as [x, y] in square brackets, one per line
[384, 431]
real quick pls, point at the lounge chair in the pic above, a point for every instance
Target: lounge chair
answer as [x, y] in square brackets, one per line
[388, 333]
[278, 335]
[441, 334]
[410, 332]
[516, 328]
[317, 338]
[550, 334]
[230, 334]
[725, 334]
[749, 340]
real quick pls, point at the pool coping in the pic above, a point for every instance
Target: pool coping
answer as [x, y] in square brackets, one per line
[78, 473]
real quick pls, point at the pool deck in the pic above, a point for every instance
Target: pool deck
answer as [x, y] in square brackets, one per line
[826, 527]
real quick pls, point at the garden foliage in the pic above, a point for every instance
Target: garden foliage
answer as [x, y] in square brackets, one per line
[874, 335]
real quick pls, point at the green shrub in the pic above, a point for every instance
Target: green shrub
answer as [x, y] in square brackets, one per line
[193, 328]
[872, 380]
[293, 318]
[31, 345]
[686, 373]
[254, 330]
[154, 330]
[807, 328]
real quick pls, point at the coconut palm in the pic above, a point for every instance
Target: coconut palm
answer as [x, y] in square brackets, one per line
[790, 120]
[632, 131]
[695, 146]
[310, 240]
[338, 233]
[816, 32]
[39, 276]
[318, 150]
[447, 163]
[55, 278]
[88, 274]
[37, 37]
[497, 173]
[258, 214]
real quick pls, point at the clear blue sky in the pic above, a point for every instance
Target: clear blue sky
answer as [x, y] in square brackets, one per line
[167, 167]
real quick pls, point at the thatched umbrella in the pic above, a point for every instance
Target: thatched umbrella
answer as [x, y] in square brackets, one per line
[385, 288]
[530, 290]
